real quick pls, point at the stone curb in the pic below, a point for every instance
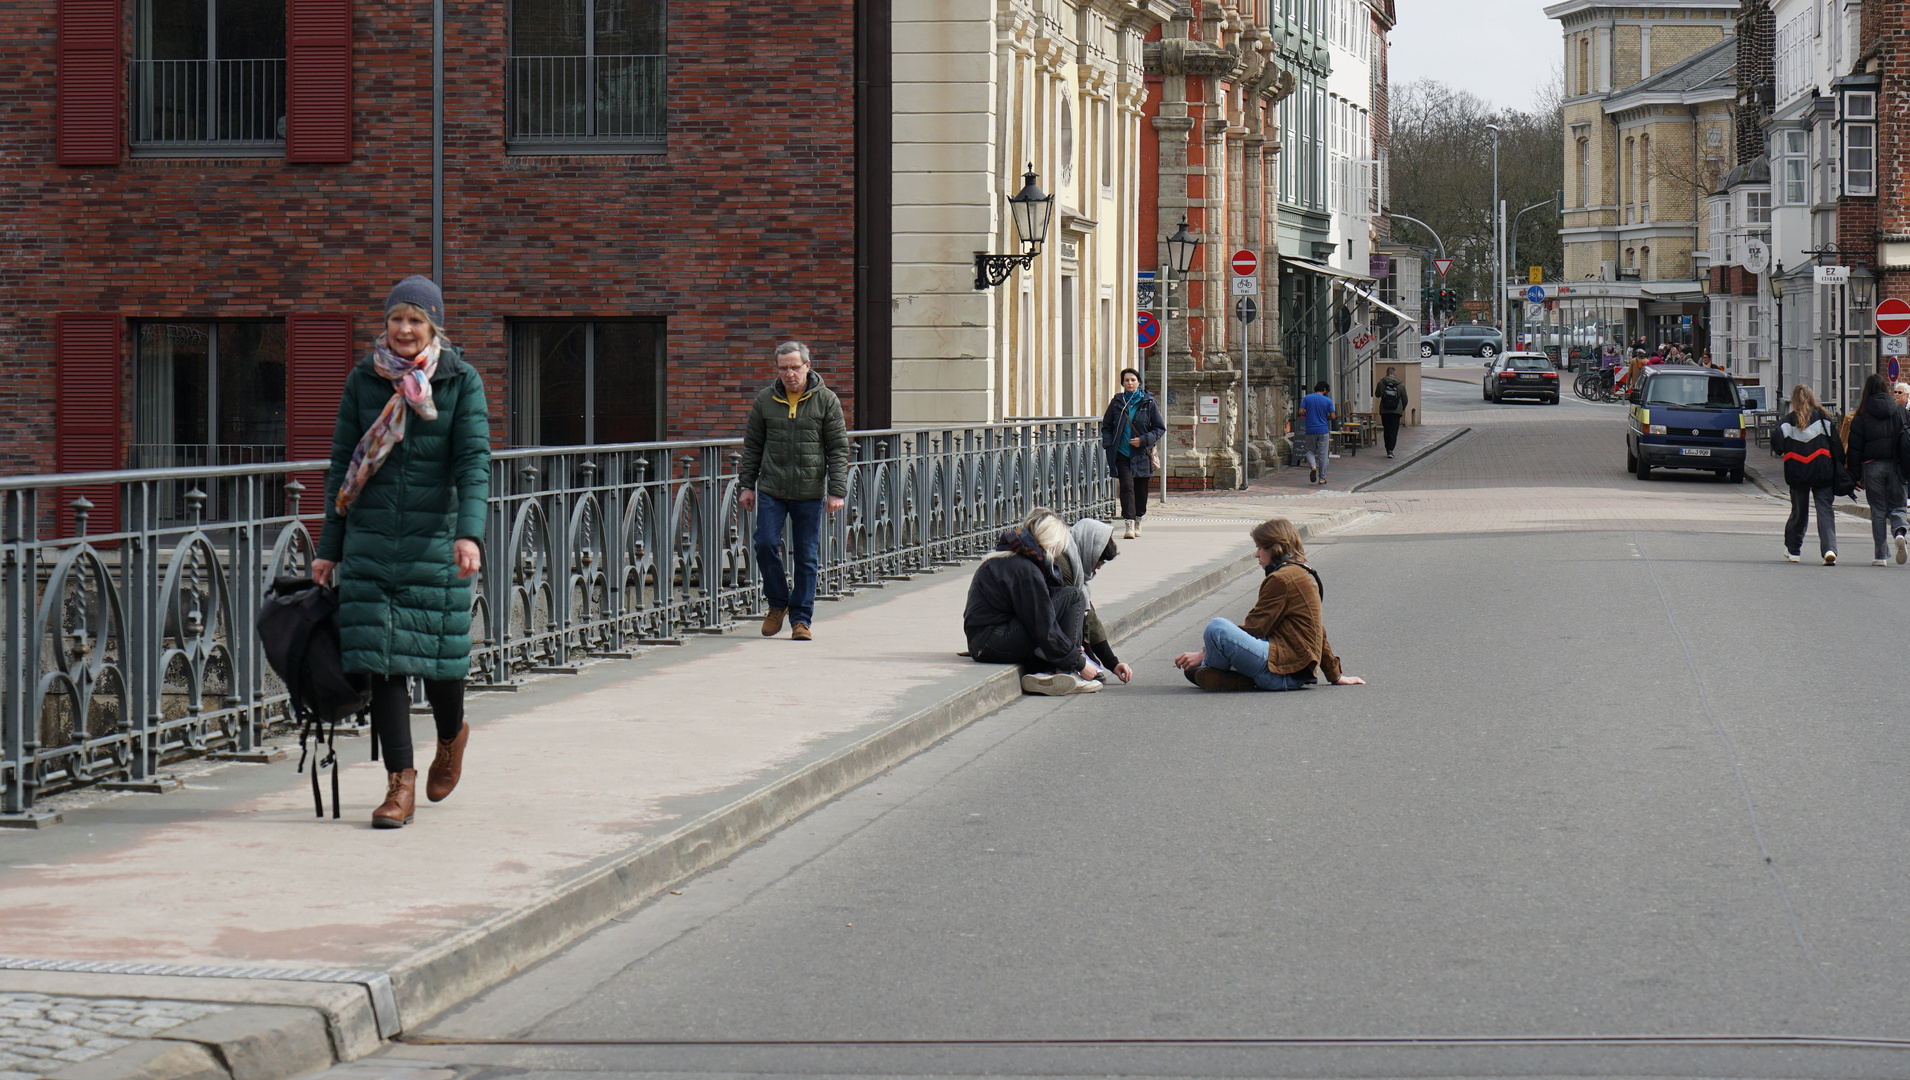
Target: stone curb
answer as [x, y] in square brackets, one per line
[1413, 460]
[276, 1042]
[1781, 491]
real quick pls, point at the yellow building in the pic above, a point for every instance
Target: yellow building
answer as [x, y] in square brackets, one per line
[1649, 88]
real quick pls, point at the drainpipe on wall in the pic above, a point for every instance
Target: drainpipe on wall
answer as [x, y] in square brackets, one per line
[437, 142]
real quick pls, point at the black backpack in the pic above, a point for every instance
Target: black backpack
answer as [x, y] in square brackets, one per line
[298, 628]
[1389, 392]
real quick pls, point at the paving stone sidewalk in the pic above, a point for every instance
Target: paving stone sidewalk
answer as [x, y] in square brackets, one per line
[40, 1034]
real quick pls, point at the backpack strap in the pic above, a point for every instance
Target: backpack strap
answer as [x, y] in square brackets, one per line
[1321, 585]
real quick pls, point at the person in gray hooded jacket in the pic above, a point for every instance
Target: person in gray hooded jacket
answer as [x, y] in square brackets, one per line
[1090, 546]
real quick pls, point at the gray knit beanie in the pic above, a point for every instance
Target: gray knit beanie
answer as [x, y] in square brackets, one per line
[420, 292]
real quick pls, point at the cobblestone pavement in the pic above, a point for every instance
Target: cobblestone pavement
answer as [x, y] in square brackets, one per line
[41, 1034]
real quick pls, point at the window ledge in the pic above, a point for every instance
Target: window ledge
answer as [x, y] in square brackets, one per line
[591, 148]
[209, 150]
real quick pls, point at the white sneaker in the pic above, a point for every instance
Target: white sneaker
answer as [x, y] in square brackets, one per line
[1088, 686]
[1129, 535]
[1903, 549]
[1788, 557]
[1830, 558]
[1054, 684]
[1138, 522]
[1878, 562]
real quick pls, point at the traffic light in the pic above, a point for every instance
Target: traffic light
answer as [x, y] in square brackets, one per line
[1425, 295]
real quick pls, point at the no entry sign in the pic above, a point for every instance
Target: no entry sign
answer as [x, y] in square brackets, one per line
[1893, 317]
[1245, 262]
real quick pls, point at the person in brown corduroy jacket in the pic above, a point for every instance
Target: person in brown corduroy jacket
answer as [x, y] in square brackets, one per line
[1282, 641]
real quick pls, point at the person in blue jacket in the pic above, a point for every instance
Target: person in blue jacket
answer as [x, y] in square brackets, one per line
[1320, 414]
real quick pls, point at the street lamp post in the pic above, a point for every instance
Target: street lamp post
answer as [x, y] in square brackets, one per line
[1777, 305]
[1442, 254]
[1498, 236]
[1861, 285]
[1180, 259]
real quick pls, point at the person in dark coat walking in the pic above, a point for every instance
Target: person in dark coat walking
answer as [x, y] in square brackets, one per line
[404, 527]
[1876, 431]
[1390, 396]
[1812, 459]
[795, 466]
[1130, 428]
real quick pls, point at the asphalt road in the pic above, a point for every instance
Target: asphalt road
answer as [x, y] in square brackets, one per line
[1624, 797]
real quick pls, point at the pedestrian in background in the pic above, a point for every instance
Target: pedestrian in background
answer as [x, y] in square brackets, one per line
[1812, 459]
[405, 507]
[795, 467]
[1019, 611]
[1874, 447]
[1130, 429]
[1390, 394]
[1320, 414]
[1090, 546]
[1282, 640]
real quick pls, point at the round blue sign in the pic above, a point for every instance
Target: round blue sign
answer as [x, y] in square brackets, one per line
[1893, 369]
[1535, 295]
[1150, 330]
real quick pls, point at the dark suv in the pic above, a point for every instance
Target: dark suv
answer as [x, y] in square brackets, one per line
[1522, 374]
[1467, 339]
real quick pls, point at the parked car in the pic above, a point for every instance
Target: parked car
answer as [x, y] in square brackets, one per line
[1687, 417]
[1466, 339]
[1522, 374]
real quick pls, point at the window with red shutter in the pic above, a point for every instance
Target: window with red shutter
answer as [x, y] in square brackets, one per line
[318, 82]
[318, 356]
[87, 79]
[86, 409]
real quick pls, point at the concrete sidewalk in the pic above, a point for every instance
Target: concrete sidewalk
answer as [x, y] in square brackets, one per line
[582, 795]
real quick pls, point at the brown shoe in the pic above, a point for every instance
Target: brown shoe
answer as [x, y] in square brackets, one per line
[773, 622]
[401, 801]
[1216, 679]
[801, 632]
[447, 767]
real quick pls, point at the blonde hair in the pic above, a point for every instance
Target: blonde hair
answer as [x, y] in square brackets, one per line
[1803, 404]
[1050, 532]
[436, 330]
[1278, 536]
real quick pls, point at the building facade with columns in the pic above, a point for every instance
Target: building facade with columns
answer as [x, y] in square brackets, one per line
[986, 91]
[1217, 77]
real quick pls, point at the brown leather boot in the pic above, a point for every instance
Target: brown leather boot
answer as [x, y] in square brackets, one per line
[401, 801]
[447, 766]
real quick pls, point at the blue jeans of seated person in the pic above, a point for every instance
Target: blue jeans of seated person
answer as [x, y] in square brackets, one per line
[1230, 648]
[805, 527]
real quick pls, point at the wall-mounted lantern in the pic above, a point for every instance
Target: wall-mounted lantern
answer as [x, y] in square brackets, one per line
[1031, 211]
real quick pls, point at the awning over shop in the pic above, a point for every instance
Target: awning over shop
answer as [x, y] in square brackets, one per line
[1311, 267]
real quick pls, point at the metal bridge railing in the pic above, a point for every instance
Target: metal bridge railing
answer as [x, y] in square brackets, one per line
[128, 648]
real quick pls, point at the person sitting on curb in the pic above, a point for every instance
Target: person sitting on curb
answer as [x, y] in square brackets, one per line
[1283, 638]
[1090, 545]
[1020, 612]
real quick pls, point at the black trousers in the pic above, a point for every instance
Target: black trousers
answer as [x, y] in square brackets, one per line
[1389, 421]
[1801, 499]
[1133, 490]
[391, 715]
[1013, 643]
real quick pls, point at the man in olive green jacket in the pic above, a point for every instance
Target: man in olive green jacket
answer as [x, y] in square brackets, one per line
[795, 465]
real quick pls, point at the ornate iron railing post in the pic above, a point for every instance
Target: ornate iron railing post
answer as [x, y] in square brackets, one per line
[20, 509]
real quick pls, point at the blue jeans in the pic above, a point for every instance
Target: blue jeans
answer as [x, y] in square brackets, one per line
[805, 526]
[1230, 648]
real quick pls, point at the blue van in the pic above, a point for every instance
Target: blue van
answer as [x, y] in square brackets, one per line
[1686, 418]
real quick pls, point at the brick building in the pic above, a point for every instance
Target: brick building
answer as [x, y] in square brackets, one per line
[631, 201]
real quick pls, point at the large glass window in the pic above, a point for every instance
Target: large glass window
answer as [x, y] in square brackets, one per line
[583, 73]
[1860, 145]
[1796, 167]
[584, 383]
[209, 393]
[209, 73]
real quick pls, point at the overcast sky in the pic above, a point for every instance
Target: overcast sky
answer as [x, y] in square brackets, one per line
[1501, 50]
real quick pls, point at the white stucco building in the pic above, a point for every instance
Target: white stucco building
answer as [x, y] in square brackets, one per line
[985, 90]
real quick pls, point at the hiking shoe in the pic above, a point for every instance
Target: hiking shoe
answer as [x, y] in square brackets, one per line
[1220, 679]
[1137, 527]
[401, 801]
[773, 622]
[1129, 535]
[1791, 556]
[801, 632]
[1903, 549]
[1830, 558]
[1054, 684]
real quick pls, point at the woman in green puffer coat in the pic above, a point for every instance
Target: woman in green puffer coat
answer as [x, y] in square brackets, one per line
[404, 526]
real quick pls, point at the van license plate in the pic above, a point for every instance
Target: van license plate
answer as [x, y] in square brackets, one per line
[1695, 452]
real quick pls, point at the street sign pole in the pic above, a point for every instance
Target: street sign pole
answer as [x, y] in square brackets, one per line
[1245, 395]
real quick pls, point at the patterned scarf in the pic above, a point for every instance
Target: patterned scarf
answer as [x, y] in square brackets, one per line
[1022, 542]
[1134, 400]
[411, 387]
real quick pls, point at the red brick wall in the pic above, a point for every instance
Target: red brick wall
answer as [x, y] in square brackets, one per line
[741, 235]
